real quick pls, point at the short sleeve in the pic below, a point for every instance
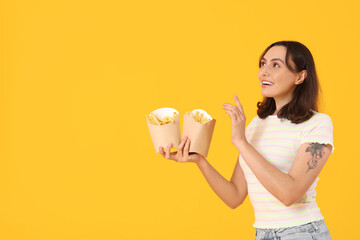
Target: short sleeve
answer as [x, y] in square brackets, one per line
[319, 130]
[249, 128]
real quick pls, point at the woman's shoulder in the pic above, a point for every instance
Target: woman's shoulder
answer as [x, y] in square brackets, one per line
[319, 116]
[253, 122]
[318, 119]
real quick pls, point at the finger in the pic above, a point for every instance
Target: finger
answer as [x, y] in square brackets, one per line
[231, 114]
[168, 151]
[238, 103]
[161, 151]
[227, 105]
[182, 144]
[187, 148]
[233, 109]
[173, 156]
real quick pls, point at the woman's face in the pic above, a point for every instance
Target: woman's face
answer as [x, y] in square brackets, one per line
[275, 78]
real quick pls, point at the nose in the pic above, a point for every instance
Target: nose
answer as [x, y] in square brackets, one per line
[263, 71]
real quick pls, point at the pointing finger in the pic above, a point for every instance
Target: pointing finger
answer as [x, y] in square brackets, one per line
[238, 103]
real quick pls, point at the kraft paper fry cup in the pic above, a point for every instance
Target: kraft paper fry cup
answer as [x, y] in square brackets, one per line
[200, 134]
[162, 135]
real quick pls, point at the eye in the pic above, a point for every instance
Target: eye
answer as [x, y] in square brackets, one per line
[262, 63]
[275, 64]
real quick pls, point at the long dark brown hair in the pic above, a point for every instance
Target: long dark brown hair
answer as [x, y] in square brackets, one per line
[305, 95]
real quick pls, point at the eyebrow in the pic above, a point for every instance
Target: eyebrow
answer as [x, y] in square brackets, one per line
[274, 59]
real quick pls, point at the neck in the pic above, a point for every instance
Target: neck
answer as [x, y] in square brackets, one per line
[280, 102]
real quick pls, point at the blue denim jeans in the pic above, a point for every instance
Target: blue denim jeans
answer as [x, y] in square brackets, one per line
[314, 230]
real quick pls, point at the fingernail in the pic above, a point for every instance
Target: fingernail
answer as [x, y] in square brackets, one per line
[185, 137]
[169, 145]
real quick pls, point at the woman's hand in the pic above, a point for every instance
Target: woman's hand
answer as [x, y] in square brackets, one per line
[182, 155]
[238, 121]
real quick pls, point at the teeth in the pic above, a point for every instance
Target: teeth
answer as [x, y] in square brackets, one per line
[267, 83]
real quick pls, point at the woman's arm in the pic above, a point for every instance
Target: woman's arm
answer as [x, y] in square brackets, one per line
[233, 193]
[287, 187]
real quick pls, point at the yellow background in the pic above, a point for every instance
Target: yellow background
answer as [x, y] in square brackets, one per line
[78, 78]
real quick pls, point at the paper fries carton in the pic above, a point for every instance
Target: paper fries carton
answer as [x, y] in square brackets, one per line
[162, 135]
[199, 133]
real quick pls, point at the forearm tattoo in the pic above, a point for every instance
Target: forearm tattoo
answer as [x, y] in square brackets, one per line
[316, 152]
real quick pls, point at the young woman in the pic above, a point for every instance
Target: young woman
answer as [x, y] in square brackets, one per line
[282, 151]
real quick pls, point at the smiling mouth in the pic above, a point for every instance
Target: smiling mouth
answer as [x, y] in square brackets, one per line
[266, 83]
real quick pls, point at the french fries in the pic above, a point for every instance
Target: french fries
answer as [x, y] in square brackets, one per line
[153, 119]
[199, 117]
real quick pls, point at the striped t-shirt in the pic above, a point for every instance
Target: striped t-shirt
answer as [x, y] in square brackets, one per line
[278, 141]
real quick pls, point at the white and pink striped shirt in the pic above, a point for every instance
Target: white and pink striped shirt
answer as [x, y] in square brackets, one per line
[278, 141]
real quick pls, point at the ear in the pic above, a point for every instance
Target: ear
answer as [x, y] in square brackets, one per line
[301, 77]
